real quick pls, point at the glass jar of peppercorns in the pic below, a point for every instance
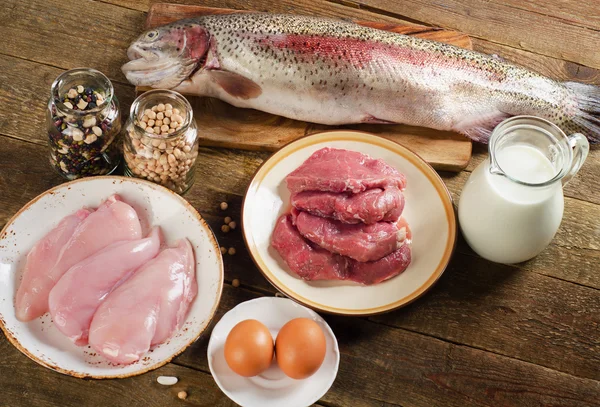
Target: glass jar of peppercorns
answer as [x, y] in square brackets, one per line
[83, 124]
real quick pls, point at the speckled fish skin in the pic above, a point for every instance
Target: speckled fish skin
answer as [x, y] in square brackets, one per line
[336, 72]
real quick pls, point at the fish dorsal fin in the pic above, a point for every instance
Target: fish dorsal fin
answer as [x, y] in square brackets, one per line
[236, 85]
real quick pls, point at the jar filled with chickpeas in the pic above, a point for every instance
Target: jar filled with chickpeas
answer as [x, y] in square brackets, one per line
[161, 143]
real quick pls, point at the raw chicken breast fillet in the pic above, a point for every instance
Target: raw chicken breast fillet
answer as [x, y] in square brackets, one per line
[78, 294]
[113, 221]
[39, 261]
[147, 308]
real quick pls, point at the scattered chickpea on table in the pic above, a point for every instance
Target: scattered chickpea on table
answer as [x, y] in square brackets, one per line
[228, 225]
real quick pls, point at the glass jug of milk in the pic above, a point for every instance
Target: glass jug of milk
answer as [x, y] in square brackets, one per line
[512, 204]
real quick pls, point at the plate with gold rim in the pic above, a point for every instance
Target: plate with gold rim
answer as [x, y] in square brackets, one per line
[428, 210]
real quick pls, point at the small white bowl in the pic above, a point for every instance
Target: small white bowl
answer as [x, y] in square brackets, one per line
[271, 388]
[428, 211]
[157, 206]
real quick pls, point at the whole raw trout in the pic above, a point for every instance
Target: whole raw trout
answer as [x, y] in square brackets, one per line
[336, 72]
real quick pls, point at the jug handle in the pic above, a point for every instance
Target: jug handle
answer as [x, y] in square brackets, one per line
[580, 146]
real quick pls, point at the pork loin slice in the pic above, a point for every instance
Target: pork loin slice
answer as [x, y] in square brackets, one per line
[338, 170]
[373, 205]
[359, 242]
[311, 262]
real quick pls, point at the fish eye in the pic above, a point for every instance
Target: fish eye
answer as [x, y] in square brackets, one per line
[152, 35]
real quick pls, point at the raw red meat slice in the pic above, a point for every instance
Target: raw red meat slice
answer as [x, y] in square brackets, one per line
[383, 269]
[338, 170]
[308, 262]
[360, 242]
[315, 263]
[373, 205]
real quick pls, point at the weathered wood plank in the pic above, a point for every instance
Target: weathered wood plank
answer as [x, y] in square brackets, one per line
[552, 67]
[19, 93]
[380, 364]
[24, 98]
[498, 22]
[320, 8]
[531, 28]
[25, 383]
[581, 13]
[573, 253]
[566, 311]
[223, 175]
[70, 34]
[518, 313]
[105, 31]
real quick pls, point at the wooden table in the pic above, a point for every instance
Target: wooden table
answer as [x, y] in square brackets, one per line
[485, 335]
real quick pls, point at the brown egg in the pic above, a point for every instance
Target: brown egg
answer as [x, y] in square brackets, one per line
[249, 348]
[300, 348]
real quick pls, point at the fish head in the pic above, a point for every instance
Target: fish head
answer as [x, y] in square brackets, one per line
[165, 56]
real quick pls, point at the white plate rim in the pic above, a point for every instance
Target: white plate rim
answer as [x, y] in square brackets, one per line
[369, 138]
[15, 342]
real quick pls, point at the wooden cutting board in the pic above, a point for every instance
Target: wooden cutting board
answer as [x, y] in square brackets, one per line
[223, 125]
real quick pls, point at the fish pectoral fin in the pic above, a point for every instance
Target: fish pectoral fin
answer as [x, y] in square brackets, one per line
[236, 85]
[375, 120]
[480, 129]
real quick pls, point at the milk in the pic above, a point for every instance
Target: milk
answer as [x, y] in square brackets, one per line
[507, 222]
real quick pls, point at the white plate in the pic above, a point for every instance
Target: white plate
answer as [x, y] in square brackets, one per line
[272, 388]
[39, 339]
[428, 210]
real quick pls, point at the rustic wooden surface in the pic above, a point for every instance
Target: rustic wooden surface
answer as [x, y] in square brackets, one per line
[223, 125]
[485, 335]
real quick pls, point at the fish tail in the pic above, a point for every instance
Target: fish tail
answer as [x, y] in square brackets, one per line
[587, 117]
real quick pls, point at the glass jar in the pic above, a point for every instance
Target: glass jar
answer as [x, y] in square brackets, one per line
[160, 142]
[83, 122]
